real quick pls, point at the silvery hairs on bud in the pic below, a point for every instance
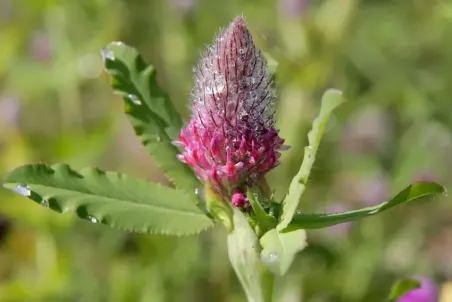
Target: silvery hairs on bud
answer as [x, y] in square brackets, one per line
[231, 140]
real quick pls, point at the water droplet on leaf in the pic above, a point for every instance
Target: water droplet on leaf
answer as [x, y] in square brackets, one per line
[45, 203]
[270, 258]
[134, 99]
[117, 43]
[23, 190]
[107, 54]
[273, 256]
[92, 219]
[199, 192]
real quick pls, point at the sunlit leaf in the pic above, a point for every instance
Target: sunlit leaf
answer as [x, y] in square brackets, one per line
[330, 101]
[279, 249]
[110, 198]
[401, 287]
[411, 193]
[154, 118]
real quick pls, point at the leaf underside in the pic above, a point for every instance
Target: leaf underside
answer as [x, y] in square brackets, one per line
[152, 115]
[411, 193]
[110, 198]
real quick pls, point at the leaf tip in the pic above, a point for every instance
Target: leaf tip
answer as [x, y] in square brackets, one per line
[334, 91]
[334, 95]
[111, 51]
[431, 187]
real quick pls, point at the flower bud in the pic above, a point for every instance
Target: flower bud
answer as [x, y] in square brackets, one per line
[231, 140]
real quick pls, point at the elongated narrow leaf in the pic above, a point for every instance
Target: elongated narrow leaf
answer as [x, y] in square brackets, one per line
[411, 193]
[279, 249]
[114, 199]
[401, 287]
[155, 120]
[330, 101]
[244, 249]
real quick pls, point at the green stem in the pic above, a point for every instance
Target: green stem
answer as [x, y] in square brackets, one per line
[262, 289]
[268, 283]
[244, 253]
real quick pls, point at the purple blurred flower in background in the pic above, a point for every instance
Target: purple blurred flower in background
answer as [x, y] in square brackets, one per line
[428, 292]
[9, 110]
[369, 190]
[41, 47]
[367, 131]
[293, 8]
[374, 190]
[424, 176]
[183, 6]
[6, 11]
[343, 228]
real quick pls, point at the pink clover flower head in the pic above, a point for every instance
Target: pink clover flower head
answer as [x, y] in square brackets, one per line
[231, 140]
[427, 292]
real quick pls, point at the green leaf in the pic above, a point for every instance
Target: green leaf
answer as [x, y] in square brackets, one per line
[155, 120]
[411, 193]
[244, 249]
[218, 207]
[279, 249]
[401, 287]
[110, 198]
[265, 221]
[330, 101]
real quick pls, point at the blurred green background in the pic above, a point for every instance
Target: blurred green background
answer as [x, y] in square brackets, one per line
[392, 59]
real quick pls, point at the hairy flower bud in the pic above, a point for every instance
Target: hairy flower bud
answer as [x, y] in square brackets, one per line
[231, 140]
